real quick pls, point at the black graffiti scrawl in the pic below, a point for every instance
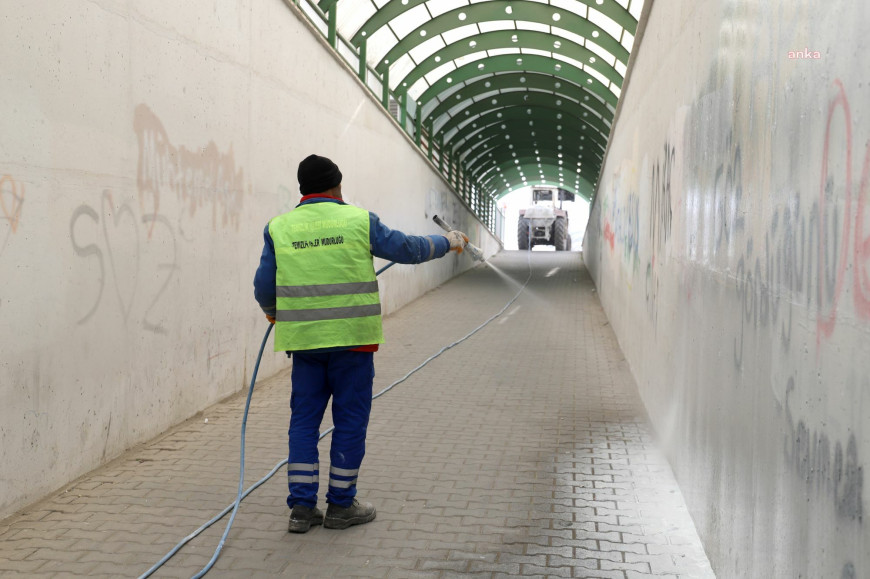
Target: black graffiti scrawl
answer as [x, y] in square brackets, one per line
[661, 212]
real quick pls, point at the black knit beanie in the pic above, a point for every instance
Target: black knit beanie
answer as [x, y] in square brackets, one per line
[317, 174]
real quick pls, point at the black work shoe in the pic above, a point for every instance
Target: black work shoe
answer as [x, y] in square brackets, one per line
[343, 517]
[302, 517]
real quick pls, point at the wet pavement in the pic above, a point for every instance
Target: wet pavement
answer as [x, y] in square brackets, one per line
[522, 452]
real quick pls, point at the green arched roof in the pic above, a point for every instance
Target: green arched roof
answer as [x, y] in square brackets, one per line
[519, 92]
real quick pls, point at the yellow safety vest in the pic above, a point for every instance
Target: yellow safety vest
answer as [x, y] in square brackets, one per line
[327, 291]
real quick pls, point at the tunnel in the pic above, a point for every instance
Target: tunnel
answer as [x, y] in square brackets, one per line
[677, 387]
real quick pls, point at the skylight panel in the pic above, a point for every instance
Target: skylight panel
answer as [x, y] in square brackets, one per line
[608, 25]
[500, 51]
[439, 7]
[621, 69]
[353, 15]
[497, 25]
[604, 54]
[568, 35]
[417, 90]
[469, 58]
[628, 41]
[546, 53]
[439, 72]
[409, 21]
[427, 49]
[592, 72]
[569, 60]
[571, 6]
[457, 34]
[400, 69]
[379, 44]
[636, 8]
[523, 25]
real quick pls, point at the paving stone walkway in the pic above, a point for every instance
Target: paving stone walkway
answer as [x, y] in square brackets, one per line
[522, 452]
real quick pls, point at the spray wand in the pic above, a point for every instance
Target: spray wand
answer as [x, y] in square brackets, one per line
[475, 252]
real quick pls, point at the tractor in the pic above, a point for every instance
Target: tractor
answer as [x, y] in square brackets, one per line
[543, 223]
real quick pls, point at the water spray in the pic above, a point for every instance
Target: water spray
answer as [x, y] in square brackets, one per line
[475, 252]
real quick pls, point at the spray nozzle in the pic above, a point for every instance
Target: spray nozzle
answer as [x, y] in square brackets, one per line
[475, 252]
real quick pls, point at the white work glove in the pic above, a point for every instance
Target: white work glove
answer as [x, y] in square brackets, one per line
[457, 240]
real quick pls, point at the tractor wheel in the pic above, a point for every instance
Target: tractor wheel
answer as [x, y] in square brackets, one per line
[569, 243]
[561, 234]
[523, 234]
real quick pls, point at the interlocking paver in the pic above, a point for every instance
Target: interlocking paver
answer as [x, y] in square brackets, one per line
[522, 452]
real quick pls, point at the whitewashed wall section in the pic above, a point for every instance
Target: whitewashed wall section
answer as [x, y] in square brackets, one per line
[144, 148]
[730, 243]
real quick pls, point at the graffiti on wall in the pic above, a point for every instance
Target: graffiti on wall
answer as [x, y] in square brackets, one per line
[661, 210]
[622, 224]
[806, 252]
[837, 251]
[198, 179]
[826, 468]
[11, 202]
[135, 256]
[660, 223]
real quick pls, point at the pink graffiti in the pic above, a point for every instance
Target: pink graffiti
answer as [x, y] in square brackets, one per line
[197, 178]
[827, 320]
[12, 212]
[609, 235]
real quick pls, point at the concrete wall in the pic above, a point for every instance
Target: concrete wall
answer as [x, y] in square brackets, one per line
[730, 244]
[144, 147]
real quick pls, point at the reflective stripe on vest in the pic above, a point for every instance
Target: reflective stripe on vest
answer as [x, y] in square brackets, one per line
[326, 288]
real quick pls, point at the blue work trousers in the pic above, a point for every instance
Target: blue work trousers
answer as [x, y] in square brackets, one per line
[346, 376]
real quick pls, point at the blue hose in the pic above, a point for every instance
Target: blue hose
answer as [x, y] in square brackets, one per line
[234, 507]
[240, 496]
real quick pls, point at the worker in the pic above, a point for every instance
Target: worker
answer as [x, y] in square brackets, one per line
[316, 282]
